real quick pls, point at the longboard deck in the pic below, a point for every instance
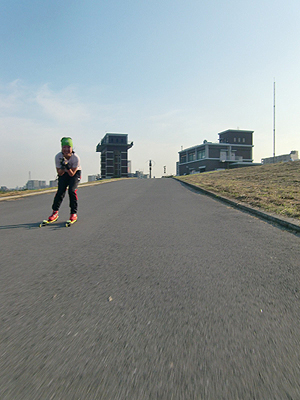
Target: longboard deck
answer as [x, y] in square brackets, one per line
[69, 223]
[46, 222]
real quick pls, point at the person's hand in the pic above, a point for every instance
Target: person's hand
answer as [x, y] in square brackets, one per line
[62, 164]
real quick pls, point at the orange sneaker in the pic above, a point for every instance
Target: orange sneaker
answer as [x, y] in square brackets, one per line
[73, 218]
[53, 217]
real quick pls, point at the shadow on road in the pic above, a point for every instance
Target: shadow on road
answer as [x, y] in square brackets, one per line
[33, 225]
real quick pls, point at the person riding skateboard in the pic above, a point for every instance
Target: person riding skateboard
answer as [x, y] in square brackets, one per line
[69, 174]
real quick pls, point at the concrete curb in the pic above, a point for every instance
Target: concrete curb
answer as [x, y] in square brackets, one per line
[284, 223]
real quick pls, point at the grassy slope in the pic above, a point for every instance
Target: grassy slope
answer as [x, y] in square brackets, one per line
[274, 187]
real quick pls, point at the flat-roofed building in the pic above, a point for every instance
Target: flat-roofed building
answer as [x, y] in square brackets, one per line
[33, 184]
[233, 150]
[53, 183]
[114, 155]
[92, 178]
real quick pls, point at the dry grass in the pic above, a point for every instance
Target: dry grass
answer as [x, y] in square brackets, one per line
[10, 193]
[22, 192]
[274, 188]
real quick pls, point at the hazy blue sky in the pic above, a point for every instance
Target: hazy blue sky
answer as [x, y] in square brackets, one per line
[168, 73]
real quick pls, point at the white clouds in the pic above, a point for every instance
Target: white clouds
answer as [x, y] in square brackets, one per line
[11, 97]
[62, 107]
[34, 118]
[32, 121]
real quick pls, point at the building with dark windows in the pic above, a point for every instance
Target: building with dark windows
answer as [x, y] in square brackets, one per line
[233, 150]
[114, 155]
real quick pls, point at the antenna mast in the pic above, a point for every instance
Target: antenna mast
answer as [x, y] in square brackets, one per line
[274, 119]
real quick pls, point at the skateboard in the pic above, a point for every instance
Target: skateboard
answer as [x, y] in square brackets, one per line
[69, 223]
[46, 222]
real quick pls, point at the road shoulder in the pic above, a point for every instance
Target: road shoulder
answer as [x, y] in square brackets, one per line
[289, 224]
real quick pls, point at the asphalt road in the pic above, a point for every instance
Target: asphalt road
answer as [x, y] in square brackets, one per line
[156, 292]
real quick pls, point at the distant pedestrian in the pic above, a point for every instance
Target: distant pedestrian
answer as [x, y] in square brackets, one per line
[69, 174]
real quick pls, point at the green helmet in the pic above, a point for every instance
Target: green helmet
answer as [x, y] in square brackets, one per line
[66, 141]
